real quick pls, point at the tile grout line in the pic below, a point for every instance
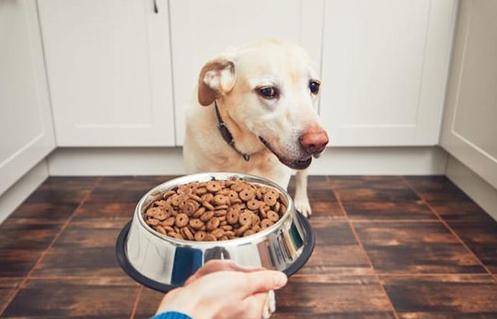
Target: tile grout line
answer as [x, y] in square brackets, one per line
[452, 231]
[43, 254]
[135, 303]
[365, 252]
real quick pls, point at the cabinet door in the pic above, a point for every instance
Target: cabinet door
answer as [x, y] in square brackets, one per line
[470, 121]
[109, 71]
[26, 132]
[201, 29]
[384, 69]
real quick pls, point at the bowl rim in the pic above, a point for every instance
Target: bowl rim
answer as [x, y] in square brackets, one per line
[290, 211]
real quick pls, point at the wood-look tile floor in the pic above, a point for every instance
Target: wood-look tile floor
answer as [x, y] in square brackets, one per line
[387, 247]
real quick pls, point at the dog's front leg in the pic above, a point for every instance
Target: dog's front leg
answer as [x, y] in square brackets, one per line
[301, 199]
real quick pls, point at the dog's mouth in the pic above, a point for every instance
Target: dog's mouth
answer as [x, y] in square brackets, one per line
[295, 164]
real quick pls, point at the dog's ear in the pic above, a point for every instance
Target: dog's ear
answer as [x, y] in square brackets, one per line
[216, 78]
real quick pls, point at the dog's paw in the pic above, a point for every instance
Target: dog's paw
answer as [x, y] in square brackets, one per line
[303, 206]
[270, 306]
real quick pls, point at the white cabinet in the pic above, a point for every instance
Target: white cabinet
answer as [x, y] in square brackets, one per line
[470, 121]
[108, 64]
[384, 70]
[201, 29]
[26, 133]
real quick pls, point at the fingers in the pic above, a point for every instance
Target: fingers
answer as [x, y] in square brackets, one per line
[263, 281]
[218, 265]
[254, 306]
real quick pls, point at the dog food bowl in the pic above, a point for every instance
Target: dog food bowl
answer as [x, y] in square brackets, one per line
[163, 263]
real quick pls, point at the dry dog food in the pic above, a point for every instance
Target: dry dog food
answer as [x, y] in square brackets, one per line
[215, 210]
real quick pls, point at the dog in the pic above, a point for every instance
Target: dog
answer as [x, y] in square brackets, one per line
[255, 113]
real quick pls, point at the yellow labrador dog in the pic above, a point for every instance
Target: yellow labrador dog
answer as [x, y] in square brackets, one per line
[255, 112]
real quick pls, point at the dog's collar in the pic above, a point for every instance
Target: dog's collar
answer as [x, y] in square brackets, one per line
[226, 134]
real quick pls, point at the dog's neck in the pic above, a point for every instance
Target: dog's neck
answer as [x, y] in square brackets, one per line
[238, 137]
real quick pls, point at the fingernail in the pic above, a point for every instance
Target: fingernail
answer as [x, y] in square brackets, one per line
[280, 280]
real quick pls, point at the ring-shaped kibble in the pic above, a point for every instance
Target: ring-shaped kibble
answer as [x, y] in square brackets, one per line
[161, 216]
[253, 204]
[152, 211]
[169, 221]
[237, 186]
[213, 186]
[187, 233]
[213, 223]
[161, 229]
[218, 233]
[196, 223]
[255, 219]
[246, 194]
[199, 212]
[175, 200]
[200, 235]
[232, 195]
[273, 216]
[232, 216]
[220, 199]
[207, 216]
[282, 210]
[245, 218]
[153, 221]
[207, 197]
[182, 220]
[248, 232]
[265, 223]
[210, 237]
[270, 198]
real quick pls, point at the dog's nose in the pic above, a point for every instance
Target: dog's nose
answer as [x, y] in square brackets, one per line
[314, 140]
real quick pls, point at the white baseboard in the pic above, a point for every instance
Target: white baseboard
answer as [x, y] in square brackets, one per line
[18, 192]
[168, 161]
[472, 184]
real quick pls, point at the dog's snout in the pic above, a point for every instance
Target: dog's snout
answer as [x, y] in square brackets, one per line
[314, 140]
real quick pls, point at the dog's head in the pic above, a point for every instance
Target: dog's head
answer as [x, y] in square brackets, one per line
[270, 89]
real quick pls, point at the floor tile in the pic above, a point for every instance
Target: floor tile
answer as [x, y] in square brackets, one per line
[336, 250]
[460, 211]
[63, 190]
[17, 262]
[372, 188]
[321, 197]
[443, 296]
[7, 287]
[44, 212]
[124, 189]
[84, 248]
[67, 298]
[15, 234]
[344, 298]
[388, 210]
[148, 303]
[413, 247]
[481, 238]
[435, 188]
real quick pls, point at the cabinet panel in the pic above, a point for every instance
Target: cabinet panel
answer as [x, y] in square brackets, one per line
[108, 65]
[26, 132]
[385, 66]
[470, 131]
[202, 29]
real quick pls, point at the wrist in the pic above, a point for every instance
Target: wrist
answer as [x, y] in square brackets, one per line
[180, 300]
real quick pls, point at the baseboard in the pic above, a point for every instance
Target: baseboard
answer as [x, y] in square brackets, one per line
[168, 161]
[472, 184]
[18, 192]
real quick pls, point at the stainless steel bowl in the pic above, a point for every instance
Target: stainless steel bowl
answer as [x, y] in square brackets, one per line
[163, 262]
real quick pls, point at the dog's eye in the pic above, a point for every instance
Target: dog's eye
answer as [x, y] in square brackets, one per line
[314, 87]
[268, 92]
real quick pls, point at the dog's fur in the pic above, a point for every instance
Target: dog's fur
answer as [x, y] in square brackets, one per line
[232, 79]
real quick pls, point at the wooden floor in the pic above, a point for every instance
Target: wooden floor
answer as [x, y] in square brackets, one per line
[387, 247]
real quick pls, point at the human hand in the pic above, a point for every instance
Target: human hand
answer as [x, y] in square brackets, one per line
[222, 289]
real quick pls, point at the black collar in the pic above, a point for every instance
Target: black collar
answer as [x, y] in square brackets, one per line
[226, 134]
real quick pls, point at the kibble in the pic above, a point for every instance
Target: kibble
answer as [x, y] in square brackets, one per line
[215, 210]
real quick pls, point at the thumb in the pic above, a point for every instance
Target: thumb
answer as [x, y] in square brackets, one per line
[262, 281]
